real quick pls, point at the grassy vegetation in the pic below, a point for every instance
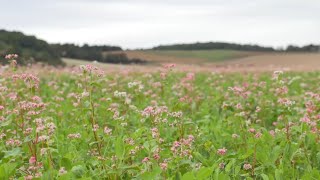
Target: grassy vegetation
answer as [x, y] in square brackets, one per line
[206, 55]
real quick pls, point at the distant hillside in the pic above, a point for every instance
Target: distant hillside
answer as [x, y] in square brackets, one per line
[213, 45]
[29, 48]
[307, 48]
[238, 47]
[190, 56]
[32, 49]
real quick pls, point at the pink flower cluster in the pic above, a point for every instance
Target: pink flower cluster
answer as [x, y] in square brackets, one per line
[30, 79]
[154, 110]
[91, 69]
[11, 56]
[240, 91]
[74, 136]
[107, 131]
[222, 151]
[183, 147]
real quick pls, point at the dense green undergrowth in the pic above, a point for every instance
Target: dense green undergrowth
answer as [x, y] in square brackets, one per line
[87, 124]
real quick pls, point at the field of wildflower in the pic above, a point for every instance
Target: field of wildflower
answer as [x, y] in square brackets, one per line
[86, 123]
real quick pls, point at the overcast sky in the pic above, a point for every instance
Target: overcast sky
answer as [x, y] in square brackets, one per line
[146, 23]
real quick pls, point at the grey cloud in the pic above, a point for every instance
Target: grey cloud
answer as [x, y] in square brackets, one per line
[143, 23]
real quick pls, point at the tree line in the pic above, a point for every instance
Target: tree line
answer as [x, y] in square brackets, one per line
[29, 48]
[32, 49]
[105, 54]
[234, 46]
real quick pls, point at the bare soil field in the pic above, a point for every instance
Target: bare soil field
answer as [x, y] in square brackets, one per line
[257, 63]
[290, 61]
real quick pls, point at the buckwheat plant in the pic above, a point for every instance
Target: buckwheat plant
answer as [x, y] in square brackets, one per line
[119, 122]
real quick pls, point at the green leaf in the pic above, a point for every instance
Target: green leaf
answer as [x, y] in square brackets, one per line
[223, 176]
[87, 104]
[229, 165]
[33, 89]
[95, 84]
[237, 170]
[247, 154]
[264, 176]
[66, 176]
[151, 175]
[12, 153]
[49, 174]
[119, 148]
[188, 176]
[27, 139]
[204, 172]
[178, 176]
[199, 157]
[5, 123]
[275, 153]
[65, 162]
[278, 174]
[7, 170]
[78, 171]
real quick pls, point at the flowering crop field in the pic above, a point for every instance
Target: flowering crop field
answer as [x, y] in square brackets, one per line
[83, 123]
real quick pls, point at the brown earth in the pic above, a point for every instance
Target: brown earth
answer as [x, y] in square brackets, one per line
[289, 61]
[258, 63]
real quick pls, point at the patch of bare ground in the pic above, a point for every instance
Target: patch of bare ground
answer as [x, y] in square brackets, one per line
[289, 61]
[259, 63]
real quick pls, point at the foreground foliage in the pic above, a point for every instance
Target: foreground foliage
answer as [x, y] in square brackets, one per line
[86, 124]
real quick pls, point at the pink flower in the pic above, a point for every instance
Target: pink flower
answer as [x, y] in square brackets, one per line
[258, 135]
[32, 160]
[27, 131]
[189, 77]
[155, 132]
[145, 160]
[234, 136]
[62, 170]
[95, 127]
[272, 133]
[222, 151]
[28, 177]
[176, 144]
[107, 130]
[11, 56]
[252, 130]
[239, 106]
[222, 165]
[247, 166]
[38, 174]
[191, 137]
[285, 101]
[74, 136]
[156, 156]
[163, 166]
[1, 107]
[163, 75]
[258, 109]
[169, 66]
[305, 119]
